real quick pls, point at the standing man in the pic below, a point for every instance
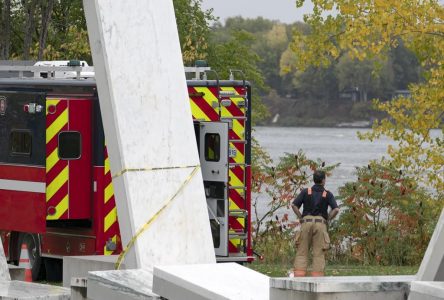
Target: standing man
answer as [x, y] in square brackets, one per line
[314, 220]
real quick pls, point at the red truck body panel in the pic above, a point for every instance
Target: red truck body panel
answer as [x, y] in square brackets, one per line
[70, 202]
[23, 210]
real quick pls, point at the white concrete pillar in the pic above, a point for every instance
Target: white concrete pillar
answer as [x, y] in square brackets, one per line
[4, 270]
[432, 265]
[148, 124]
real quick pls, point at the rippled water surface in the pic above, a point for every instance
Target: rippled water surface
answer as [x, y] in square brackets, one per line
[332, 145]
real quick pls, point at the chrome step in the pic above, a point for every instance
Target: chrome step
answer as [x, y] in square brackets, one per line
[240, 236]
[232, 118]
[238, 141]
[239, 213]
[237, 188]
[233, 165]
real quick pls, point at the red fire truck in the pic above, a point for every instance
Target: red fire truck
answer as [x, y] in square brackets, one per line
[56, 192]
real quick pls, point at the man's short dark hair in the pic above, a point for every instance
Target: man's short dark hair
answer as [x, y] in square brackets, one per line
[318, 176]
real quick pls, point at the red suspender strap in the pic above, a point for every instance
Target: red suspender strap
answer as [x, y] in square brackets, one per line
[324, 193]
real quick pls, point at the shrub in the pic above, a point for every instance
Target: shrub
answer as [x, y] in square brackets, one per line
[386, 217]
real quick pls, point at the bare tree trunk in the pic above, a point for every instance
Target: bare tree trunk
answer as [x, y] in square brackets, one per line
[2, 30]
[5, 42]
[30, 7]
[46, 19]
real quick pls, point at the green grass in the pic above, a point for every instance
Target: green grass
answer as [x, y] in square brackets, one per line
[338, 270]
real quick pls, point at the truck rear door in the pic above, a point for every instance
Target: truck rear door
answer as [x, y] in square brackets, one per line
[213, 151]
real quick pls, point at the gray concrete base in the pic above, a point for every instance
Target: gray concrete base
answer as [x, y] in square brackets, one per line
[291, 295]
[79, 266]
[16, 273]
[79, 288]
[121, 285]
[210, 282]
[432, 265]
[420, 296]
[19, 290]
[426, 290]
[347, 288]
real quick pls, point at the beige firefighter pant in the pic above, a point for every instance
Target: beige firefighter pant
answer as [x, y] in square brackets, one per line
[312, 235]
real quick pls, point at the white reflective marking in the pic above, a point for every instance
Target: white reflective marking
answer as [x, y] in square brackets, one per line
[22, 186]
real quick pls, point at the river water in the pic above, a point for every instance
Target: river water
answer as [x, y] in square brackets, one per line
[332, 145]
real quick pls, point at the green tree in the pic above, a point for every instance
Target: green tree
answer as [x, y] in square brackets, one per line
[193, 25]
[317, 84]
[406, 68]
[44, 29]
[372, 78]
[368, 29]
[269, 41]
[236, 54]
[56, 30]
[257, 25]
[5, 29]
[270, 47]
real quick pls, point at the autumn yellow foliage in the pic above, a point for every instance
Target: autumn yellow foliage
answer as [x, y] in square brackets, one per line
[366, 29]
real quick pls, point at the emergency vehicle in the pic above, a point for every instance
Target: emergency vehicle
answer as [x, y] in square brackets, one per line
[56, 192]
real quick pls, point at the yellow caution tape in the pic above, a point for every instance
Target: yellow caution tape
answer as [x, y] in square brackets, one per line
[153, 218]
[150, 169]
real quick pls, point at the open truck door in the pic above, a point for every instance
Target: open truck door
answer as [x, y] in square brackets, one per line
[212, 140]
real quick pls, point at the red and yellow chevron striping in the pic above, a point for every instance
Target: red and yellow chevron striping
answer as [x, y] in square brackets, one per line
[235, 113]
[57, 170]
[204, 103]
[205, 107]
[110, 223]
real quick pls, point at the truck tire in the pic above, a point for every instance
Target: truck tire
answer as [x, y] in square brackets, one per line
[32, 243]
[54, 269]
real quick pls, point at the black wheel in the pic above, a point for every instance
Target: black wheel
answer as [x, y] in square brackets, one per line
[54, 269]
[29, 248]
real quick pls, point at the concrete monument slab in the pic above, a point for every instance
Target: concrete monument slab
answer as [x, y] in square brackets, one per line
[120, 285]
[211, 282]
[79, 266]
[347, 287]
[4, 269]
[432, 265]
[16, 272]
[426, 290]
[79, 288]
[19, 290]
[149, 131]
